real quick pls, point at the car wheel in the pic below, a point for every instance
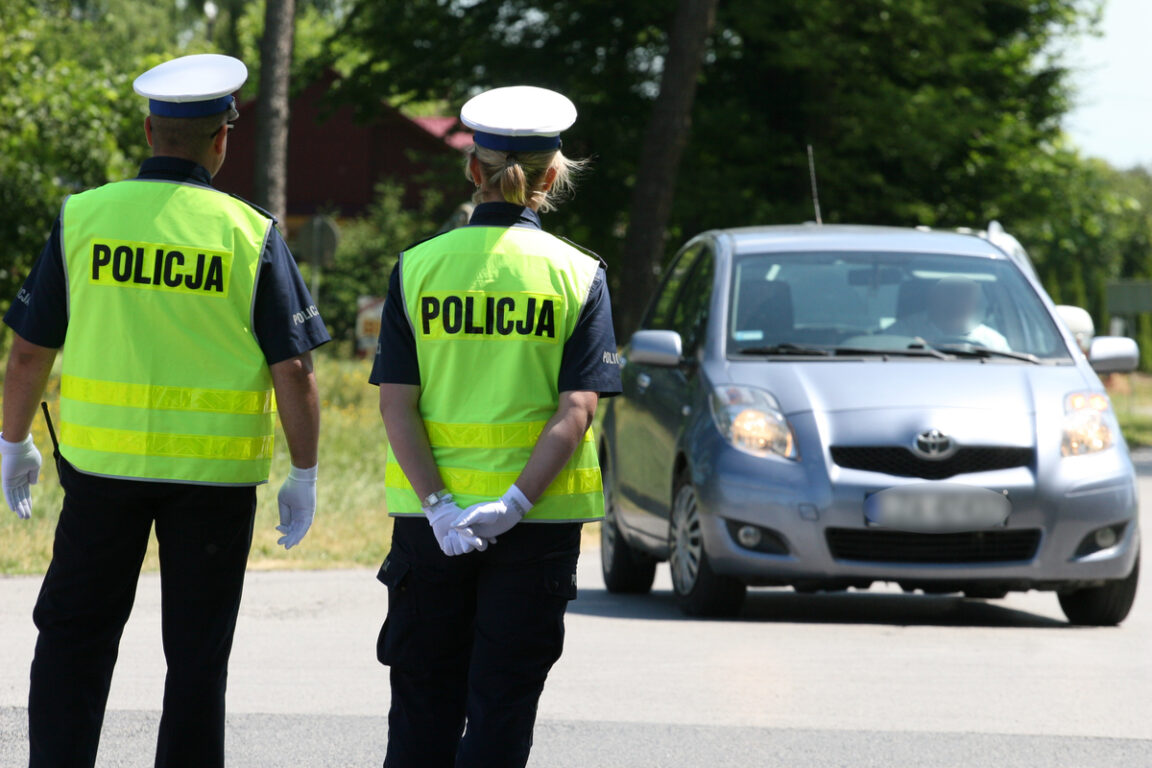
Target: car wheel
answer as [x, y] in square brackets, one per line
[625, 570]
[699, 590]
[1103, 606]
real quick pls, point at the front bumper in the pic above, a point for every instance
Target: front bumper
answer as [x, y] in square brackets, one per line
[814, 507]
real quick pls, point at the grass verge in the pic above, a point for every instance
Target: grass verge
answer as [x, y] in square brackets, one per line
[351, 527]
[1132, 400]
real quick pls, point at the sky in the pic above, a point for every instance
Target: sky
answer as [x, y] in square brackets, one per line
[1112, 118]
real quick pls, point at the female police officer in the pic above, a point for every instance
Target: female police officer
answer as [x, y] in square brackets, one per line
[495, 345]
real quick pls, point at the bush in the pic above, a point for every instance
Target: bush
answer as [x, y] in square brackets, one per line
[367, 251]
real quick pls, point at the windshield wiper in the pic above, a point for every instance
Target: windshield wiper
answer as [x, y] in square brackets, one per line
[938, 351]
[786, 349]
[912, 350]
[974, 350]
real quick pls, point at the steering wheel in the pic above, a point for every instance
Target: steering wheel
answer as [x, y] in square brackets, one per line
[953, 339]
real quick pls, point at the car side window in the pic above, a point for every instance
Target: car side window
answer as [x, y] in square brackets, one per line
[660, 313]
[690, 312]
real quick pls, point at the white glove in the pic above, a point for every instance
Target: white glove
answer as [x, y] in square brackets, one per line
[20, 469]
[453, 540]
[489, 519]
[297, 499]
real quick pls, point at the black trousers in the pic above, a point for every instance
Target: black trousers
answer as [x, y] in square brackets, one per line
[470, 641]
[204, 533]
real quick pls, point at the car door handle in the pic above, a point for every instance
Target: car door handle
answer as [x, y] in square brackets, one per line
[642, 381]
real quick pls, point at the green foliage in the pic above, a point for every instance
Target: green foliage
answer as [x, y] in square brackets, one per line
[938, 112]
[599, 52]
[62, 116]
[918, 111]
[314, 25]
[1084, 224]
[69, 119]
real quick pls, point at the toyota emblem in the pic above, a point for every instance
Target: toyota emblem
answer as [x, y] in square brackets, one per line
[934, 444]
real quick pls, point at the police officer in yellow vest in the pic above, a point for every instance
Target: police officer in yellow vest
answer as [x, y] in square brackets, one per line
[496, 343]
[184, 325]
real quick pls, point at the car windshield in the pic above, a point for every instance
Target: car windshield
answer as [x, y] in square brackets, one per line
[903, 303]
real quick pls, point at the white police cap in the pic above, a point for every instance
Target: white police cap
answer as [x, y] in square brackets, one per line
[518, 118]
[192, 86]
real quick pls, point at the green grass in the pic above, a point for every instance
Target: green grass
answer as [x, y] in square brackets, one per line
[351, 526]
[1132, 400]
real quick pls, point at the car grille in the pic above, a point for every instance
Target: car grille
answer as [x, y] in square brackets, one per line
[902, 547]
[902, 462]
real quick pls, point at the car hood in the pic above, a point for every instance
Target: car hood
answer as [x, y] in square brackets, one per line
[856, 400]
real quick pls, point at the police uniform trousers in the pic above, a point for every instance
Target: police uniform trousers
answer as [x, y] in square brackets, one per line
[470, 640]
[204, 535]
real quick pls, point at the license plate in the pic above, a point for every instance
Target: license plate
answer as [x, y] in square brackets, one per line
[936, 508]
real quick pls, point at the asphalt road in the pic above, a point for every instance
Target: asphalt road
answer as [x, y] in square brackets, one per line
[848, 680]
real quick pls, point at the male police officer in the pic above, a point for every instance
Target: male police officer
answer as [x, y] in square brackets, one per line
[178, 310]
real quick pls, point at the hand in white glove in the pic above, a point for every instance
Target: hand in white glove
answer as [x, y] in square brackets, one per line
[453, 540]
[20, 469]
[297, 499]
[489, 519]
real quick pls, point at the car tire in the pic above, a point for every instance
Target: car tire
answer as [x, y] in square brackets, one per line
[625, 570]
[1103, 606]
[700, 591]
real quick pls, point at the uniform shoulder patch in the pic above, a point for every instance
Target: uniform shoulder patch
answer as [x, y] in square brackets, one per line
[585, 251]
[423, 240]
[253, 206]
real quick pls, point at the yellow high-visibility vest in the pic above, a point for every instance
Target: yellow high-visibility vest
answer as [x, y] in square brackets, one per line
[491, 308]
[162, 377]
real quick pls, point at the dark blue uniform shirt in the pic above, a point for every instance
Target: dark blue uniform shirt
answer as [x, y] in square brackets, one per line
[285, 318]
[589, 359]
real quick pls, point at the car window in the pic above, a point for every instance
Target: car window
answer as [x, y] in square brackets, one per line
[660, 314]
[689, 312]
[888, 301]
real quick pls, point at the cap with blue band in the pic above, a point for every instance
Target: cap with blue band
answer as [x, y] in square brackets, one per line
[519, 118]
[516, 143]
[192, 86]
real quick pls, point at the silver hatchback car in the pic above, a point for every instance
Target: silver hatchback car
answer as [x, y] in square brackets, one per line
[830, 406]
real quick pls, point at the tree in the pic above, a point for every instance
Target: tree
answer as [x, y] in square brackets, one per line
[920, 113]
[271, 180]
[1096, 227]
[664, 143]
[68, 117]
[602, 54]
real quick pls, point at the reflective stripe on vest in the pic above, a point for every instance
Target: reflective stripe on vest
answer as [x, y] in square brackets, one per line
[491, 309]
[163, 378]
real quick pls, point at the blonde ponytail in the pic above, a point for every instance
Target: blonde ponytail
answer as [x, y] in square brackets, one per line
[521, 176]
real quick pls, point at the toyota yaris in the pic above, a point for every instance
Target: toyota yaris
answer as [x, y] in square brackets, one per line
[825, 407]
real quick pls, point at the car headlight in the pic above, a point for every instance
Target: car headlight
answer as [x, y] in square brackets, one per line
[1086, 427]
[750, 419]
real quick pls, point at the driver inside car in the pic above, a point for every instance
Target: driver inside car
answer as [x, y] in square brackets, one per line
[953, 314]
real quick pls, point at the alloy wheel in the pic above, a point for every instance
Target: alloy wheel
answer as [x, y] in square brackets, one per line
[686, 546]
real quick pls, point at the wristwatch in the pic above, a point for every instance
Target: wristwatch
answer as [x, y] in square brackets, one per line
[436, 497]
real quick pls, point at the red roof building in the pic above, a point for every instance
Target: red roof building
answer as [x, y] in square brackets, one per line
[335, 160]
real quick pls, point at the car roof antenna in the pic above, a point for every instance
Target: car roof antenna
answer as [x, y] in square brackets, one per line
[812, 176]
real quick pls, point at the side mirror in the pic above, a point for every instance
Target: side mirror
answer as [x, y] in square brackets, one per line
[1113, 354]
[1080, 324]
[663, 348]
